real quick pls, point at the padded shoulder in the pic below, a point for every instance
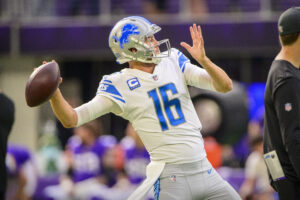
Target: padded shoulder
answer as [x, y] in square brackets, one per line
[110, 85]
[180, 58]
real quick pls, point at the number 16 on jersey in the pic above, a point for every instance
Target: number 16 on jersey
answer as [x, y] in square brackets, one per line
[167, 104]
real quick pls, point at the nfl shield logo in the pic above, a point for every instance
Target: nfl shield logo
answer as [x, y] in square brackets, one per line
[173, 178]
[155, 77]
[288, 107]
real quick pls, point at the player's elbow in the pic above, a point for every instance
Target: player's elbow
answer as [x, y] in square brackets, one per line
[226, 87]
[70, 122]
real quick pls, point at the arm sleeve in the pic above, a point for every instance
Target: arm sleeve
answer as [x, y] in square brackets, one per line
[198, 77]
[287, 105]
[98, 106]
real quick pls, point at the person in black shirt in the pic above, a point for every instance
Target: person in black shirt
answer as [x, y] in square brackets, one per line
[7, 111]
[282, 110]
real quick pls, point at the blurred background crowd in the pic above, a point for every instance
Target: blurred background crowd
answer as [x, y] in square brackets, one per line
[105, 159]
[142, 7]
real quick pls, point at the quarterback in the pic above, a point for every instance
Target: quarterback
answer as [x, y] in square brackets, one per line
[153, 95]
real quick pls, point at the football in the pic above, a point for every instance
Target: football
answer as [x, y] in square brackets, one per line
[42, 84]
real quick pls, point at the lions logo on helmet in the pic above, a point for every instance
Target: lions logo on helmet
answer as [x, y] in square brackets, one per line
[127, 30]
[132, 33]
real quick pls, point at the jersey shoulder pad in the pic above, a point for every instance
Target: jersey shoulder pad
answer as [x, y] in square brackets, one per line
[110, 85]
[180, 58]
[112, 78]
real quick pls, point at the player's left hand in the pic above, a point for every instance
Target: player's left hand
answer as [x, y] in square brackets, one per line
[197, 50]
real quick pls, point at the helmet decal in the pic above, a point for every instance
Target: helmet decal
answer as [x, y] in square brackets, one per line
[127, 30]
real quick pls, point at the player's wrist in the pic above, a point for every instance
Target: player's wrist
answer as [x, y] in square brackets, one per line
[204, 62]
[55, 95]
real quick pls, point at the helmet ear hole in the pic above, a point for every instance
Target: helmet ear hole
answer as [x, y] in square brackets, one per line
[115, 38]
[133, 50]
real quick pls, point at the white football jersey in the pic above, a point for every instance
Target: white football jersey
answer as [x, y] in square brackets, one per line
[160, 108]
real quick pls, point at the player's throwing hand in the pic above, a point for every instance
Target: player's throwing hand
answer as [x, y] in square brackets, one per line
[197, 50]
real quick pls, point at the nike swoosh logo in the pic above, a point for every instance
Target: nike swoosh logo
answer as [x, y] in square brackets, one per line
[209, 171]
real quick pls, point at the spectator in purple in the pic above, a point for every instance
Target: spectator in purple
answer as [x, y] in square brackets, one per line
[22, 173]
[84, 154]
[136, 156]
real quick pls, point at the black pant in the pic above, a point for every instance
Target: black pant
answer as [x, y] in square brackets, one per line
[287, 190]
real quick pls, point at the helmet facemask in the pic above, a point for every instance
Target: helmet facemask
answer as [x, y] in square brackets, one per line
[148, 52]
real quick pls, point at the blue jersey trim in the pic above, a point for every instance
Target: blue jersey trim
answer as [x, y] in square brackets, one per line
[182, 59]
[118, 99]
[104, 87]
[183, 67]
[108, 81]
[156, 189]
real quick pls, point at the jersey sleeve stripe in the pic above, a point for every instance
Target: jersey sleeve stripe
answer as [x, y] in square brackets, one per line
[183, 68]
[157, 189]
[108, 81]
[108, 88]
[118, 99]
[182, 60]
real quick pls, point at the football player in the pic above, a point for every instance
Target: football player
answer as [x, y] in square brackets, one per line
[153, 95]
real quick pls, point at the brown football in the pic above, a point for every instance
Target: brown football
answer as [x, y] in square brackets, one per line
[42, 84]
